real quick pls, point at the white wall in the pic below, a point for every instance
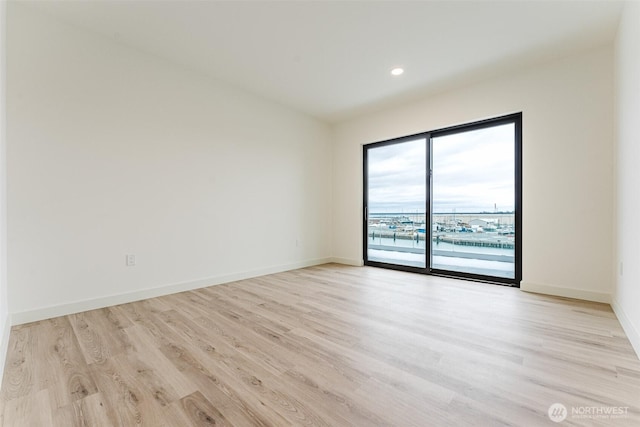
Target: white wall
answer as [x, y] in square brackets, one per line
[5, 323]
[112, 151]
[626, 296]
[567, 166]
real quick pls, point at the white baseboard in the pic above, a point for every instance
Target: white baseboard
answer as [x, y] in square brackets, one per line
[347, 261]
[107, 301]
[4, 343]
[632, 333]
[565, 292]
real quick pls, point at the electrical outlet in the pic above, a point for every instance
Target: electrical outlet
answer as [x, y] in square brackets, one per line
[621, 268]
[130, 260]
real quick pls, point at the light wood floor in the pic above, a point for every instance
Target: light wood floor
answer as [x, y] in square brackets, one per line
[328, 345]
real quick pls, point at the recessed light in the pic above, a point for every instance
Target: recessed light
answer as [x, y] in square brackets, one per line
[397, 71]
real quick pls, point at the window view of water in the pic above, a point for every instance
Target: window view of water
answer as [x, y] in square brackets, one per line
[397, 181]
[474, 171]
[480, 243]
[472, 189]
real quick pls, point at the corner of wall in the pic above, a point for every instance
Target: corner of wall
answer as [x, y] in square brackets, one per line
[627, 325]
[626, 232]
[539, 288]
[348, 261]
[4, 342]
[5, 321]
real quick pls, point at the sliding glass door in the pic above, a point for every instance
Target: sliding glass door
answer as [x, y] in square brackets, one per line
[447, 202]
[395, 223]
[473, 201]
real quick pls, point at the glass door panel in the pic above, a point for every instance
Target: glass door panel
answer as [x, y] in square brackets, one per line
[473, 192]
[395, 203]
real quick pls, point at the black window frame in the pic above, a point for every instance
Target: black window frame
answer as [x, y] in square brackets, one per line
[516, 119]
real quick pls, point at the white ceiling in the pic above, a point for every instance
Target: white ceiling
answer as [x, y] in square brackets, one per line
[331, 59]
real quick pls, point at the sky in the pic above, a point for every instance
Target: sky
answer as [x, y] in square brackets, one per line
[472, 172]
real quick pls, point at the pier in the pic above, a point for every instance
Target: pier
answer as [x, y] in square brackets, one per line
[463, 239]
[481, 242]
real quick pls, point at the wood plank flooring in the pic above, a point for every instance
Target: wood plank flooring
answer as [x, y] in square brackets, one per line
[325, 346]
